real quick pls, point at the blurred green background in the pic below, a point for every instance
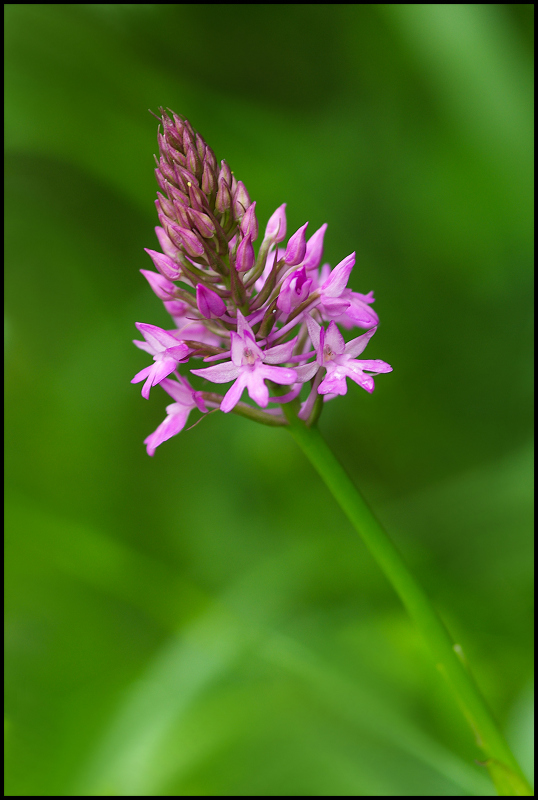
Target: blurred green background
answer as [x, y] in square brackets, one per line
[206, 622]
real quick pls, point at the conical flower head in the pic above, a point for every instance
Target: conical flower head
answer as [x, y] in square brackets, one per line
[256, 312]
[195, 194]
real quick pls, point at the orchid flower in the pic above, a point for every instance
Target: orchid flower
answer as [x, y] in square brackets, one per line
[250, 367]
[167, 353]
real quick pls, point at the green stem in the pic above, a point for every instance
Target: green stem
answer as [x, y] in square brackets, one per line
[503, 767]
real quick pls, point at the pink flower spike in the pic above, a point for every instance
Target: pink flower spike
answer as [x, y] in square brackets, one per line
[314, 249]
[164, 264]
[276, 227]
[244, 258]
[296, 249]
[163, 288]
[209, 303]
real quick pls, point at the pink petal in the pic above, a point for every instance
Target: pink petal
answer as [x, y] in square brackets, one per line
[219, 373]
[334, 339]
[237, 348]
[333, 384]
[375, 365]
[166, 245]
[279, 353]
[163, 288]
[233, 395]
[337, 281]
[140, 376]
[278, 374]
[313, 330]
[181, 393]
[334, 306]
[314, 248]
[158, 338]
[307, 371]
[360, 312]
[257, 389]
[162, 369]
[144, 346]
[276, 227]
[366, 381]
[242, 325]
[172, 425]
[356, 346]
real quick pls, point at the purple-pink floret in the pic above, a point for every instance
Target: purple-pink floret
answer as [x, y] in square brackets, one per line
[270, 318]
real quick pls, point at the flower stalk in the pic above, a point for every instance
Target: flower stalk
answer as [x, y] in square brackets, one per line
[501, 763]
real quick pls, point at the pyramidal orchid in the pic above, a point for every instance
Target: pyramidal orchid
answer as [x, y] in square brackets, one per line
[261, 314]
[268, 320]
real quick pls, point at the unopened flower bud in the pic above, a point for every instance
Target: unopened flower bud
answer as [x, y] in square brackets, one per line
[200, 146]
[197, 197]
[296, 249]
[191, 243]
[314, 248]
[187, 126]
[180, 181]
[224, 199]
[161, 180]
[225, 173]
[165, 242]
[165, 205]
[202, 223]
[249, 223]
[188, 140]
[295, 288]
[163, 148]
[210, 160]
[208, 180]
[194, 164]
[209, 303]
[233, 185]
[244, 258]
[167, 171]
[276, 227]
[177, 196]
[182, 214]
[164, 264]
[173, 137]
[163, 288]
[185, 176]
[241, 200]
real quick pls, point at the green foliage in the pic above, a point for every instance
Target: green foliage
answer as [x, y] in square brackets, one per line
[205, 622]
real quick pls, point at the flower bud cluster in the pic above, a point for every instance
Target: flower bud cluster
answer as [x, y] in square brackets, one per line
[261, 320]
